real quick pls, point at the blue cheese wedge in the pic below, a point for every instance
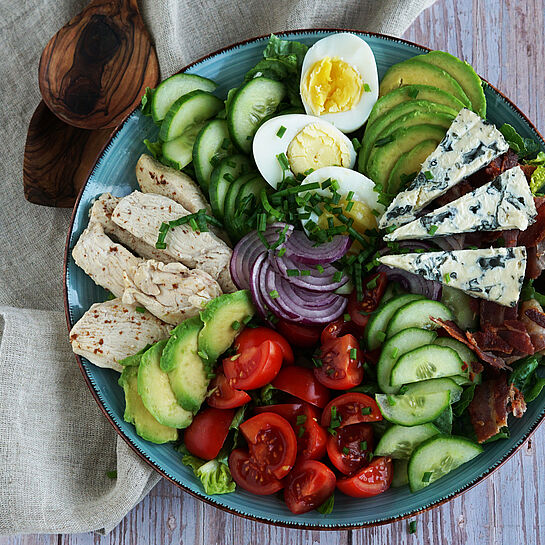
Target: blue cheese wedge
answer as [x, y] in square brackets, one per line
[503, 203]
[470, 144]
[495, 274]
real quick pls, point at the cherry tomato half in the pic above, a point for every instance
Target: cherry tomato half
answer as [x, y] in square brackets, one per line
[206, 434]
[301, 382]
[373, 290]
[341, 366]
[369, 481]
[351, 408]
[254, 367]
[350, 447]
[338, 328]
[308, 485]
[254, 336]
[271, 442]
[223, 395]
[303, 336]
[248, 475]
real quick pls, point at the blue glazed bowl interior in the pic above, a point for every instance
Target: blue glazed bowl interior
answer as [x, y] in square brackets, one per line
[114, 172]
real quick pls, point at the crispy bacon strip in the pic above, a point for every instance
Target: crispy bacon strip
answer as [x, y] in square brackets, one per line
[494, 361]
[535, 232]
[536, 316]
[536, 332]
[518, 405]
[490, 340]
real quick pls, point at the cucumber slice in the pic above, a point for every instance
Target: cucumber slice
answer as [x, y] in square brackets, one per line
[188, 111]
[170, 90]
[438, 456]
[435, 385]
[417, 314]
[375, 330]
[178, 153]
[426, 362]
[224, 174]
[466, 355]
[231, 204]
[252, 103]
[400, 478]
[394, 348]
[413, 410]
[211, 145]
[400, 441]
[459, 304]
[465, 381]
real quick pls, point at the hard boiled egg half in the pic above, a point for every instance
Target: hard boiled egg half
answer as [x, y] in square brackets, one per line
[306, 143]
[339, 81]
[358, 198]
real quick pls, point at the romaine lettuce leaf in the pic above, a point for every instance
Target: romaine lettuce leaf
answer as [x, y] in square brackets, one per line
[537, 181]
[214, 474]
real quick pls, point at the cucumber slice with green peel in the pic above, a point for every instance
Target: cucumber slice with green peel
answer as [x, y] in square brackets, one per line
[435, 385]
[460, 305]
[188, 111]
[401, 477]
[252, 103]
[178, 153]
[394, 348]
[438, 456]
[156, 393]
[465, 381]
[376, 328]
[170, 90]
[417, 314]
[413, 410]
[426, 362]
[211, 145]
[466, 355]
[412, 92]
[399, 441]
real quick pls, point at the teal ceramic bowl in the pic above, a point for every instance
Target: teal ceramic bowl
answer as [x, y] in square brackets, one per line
[114, 172]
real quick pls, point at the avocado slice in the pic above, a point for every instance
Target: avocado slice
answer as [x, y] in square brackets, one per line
[382, 159]
[156, 393]
[415, 112]
[414, 71]
[136, 413]
[185, 368]
[224, 318]
[135, 358]
[463, 73]
[409, 93]
[410, 163]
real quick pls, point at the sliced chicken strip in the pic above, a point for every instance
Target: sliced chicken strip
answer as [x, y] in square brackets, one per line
[102, 259]
[172, 292]
[101, 212]
[111, 331]
[142, 215]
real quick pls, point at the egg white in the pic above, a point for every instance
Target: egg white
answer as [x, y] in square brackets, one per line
[356, 52]
[267, 145]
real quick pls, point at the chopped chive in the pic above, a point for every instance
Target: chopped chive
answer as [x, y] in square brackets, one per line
[281, 252]
[433, 229]
[300, 431]
[261, 222]
[281, 131]
[353, 354]
[365, 410]
[330, 371]
[332, 431]
[330, 222]
[372, 284]
[426, 477]
[273, 294]
[160, 245]
[346, 317]
[381, 336]
[111, 474]
[283, 161]
[301, 419]
[292, 272]
[350, 196]
[391, 400]
[335, 418]
[428, 175]
[356, 143]
[346, 450]
[236, 325]
[228, 177]
[403, 389]
[320, 269]
[231, 164]
[375, 213]
[412, 527]
[226, 144]
[308, 171]
[366, 88]
[140, 309]
[363, 445]
[164, 227]
[391, 228]
[193, 224]
[334, 185]
[337, 277]
[305, 272]
[395, 352]
[317, 362]
[326, 183]
[210, 375]
[447, 278]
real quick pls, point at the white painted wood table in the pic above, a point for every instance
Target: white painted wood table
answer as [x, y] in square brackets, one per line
[505, 41]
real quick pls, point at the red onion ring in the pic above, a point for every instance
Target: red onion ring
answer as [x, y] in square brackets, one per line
[304, 250]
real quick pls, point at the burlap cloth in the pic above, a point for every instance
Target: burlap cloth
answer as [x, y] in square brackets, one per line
[55, 445]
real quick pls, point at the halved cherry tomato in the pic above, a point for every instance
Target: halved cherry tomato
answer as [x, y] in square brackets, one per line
[339, 369]
[350, 447]
[369, 481]
[301, 382]
[254, 336]
[223, 395]
[308, 485]
[304, 419]
[206, 434]
[271, 442]
[254, 367]
[303, 336]
[248, 475]
[351, 408]
[373, 290]
[338, 328]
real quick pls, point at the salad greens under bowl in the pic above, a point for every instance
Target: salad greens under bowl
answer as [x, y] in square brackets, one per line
[114, 172]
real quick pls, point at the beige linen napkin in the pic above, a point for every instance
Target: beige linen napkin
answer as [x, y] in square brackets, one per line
[55, 445]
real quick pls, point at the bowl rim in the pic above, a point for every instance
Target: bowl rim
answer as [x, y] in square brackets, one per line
[154, 465]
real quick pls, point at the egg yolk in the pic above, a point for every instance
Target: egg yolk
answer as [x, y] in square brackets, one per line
[316, 146]
[331, 86]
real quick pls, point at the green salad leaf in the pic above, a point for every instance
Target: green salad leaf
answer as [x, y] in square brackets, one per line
[214, 474]
[146, 101]
[155, 148]
[525, 148]
[529, 292]
[502, 434]
[525, 376]
[327, 507]
[539, 160]
[537, 181]
[465, 399]
[444, 421]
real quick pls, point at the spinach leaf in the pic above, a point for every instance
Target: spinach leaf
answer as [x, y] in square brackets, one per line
[525, 148]
[465, 399]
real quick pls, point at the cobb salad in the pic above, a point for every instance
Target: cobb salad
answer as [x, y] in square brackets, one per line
[325, 281]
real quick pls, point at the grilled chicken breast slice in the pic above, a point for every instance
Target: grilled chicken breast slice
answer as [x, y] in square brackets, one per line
[172, 292]
[111, 331]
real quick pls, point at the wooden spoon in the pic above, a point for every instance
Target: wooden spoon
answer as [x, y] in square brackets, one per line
[95, 69]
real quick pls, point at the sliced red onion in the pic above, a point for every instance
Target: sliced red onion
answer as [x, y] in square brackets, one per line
[271, 302]
[410, 245]
[452, 242]
[304, 250]
[254, 286]
[413, 283]
[249, 248]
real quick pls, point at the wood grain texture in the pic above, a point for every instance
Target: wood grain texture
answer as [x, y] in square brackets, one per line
[95, 69]
[504, 40]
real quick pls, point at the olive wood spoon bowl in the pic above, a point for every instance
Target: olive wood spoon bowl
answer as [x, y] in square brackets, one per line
[95, 69]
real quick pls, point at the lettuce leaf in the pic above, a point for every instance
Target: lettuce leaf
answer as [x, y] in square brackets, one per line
[525, 148]
[525, 376]
[146, 101]
[214, 474]
[465, 399]
[537, 181]
[327, 507]
[539, 160]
